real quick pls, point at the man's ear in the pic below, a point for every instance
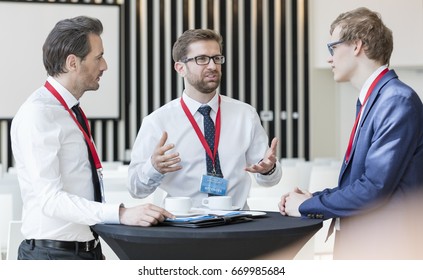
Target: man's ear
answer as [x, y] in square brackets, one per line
[180, 68]
[71, 62]
[358, 47]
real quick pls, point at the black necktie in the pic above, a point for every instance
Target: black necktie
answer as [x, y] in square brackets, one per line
[96, 180]
[358, 107]
[209, 133]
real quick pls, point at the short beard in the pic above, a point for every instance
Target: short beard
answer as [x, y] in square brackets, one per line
[202, 86]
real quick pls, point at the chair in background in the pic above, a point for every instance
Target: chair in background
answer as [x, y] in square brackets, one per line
[324, 160]
[291, 161]
[14, 239]
[267, 198]
[294, 174]
[6, 216]
[304, 168]
[11, 203]
[321, 177]
[291, 178]
[111, 165]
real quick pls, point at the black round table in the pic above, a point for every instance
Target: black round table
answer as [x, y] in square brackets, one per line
[249, 240]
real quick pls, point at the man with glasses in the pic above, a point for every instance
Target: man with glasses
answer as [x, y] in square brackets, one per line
[203, 143]
[373, 207]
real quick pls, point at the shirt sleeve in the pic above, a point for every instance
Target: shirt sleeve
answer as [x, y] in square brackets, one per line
[143, 177]
[258, 148]
[272, 179]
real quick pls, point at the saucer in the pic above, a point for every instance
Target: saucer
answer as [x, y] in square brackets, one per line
[188, 214]
[234, 208]
[255, 213]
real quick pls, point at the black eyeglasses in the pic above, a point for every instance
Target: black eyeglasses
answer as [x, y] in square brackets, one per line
[205, 60]
[331, 45]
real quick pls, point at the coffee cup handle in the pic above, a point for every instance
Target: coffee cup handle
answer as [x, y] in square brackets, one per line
[205, 201]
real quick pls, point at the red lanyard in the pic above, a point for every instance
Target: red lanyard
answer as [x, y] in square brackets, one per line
[86, 136]
[352, 135]
[200, 134]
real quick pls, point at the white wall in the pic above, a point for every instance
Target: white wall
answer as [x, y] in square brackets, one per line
[332, 105]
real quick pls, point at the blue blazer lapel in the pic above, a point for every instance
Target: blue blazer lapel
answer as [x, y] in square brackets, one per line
[370, 102]
[374, 96]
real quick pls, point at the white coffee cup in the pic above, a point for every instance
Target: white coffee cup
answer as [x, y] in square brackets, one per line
[218, 202]
[178, 204]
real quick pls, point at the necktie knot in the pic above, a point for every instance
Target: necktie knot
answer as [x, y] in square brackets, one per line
[358, 107]
[76, 109]
[204, 110]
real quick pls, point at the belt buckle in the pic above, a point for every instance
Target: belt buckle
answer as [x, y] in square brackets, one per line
[87, 246]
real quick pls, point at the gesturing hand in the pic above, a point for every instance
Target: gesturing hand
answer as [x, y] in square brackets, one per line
[163, 162]
[268, 162]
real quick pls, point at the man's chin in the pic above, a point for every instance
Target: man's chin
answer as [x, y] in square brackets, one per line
[94, 87]
[209, 90]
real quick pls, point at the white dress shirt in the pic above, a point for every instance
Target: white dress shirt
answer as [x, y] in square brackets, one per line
[366, 87]
[243, 142]
[54, 171]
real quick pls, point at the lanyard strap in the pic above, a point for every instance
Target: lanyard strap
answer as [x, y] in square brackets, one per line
[369, 92]
[86, 136]
[200, 134]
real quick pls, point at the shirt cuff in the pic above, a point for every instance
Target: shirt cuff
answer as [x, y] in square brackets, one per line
[151, 173]
[111, 213]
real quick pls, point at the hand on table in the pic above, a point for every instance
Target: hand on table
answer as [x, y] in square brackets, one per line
[290, 202]
[143, 215]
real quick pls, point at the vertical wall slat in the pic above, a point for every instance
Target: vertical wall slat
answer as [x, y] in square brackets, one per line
[253, 54]
[241, 51]
[266, 67]
[228, 75]
[278, 73]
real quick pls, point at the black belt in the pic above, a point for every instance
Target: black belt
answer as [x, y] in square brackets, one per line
[64, 245]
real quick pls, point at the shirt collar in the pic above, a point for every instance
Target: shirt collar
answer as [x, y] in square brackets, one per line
[66, 95]
[369, 81]
[193, 105]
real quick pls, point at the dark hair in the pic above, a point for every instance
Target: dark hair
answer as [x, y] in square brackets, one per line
[180, 47]
[367, 26]
[69, 36]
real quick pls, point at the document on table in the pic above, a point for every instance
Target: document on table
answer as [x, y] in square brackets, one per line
[209, 219]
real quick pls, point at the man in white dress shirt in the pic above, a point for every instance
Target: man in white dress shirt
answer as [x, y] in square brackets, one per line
[52, 153]
[170, 150]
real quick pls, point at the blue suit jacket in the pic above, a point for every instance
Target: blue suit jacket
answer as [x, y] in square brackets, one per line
[386, 164]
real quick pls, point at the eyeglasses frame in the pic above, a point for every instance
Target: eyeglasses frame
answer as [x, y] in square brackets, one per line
[332, 44]
[188, 59]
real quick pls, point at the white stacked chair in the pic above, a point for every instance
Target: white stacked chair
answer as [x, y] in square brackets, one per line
[267, 198]
[323, 176]
[14, 239]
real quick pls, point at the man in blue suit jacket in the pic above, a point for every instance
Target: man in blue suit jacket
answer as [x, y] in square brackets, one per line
[376, 206]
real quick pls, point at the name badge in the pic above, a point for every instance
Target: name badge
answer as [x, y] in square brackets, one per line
[214, 185]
